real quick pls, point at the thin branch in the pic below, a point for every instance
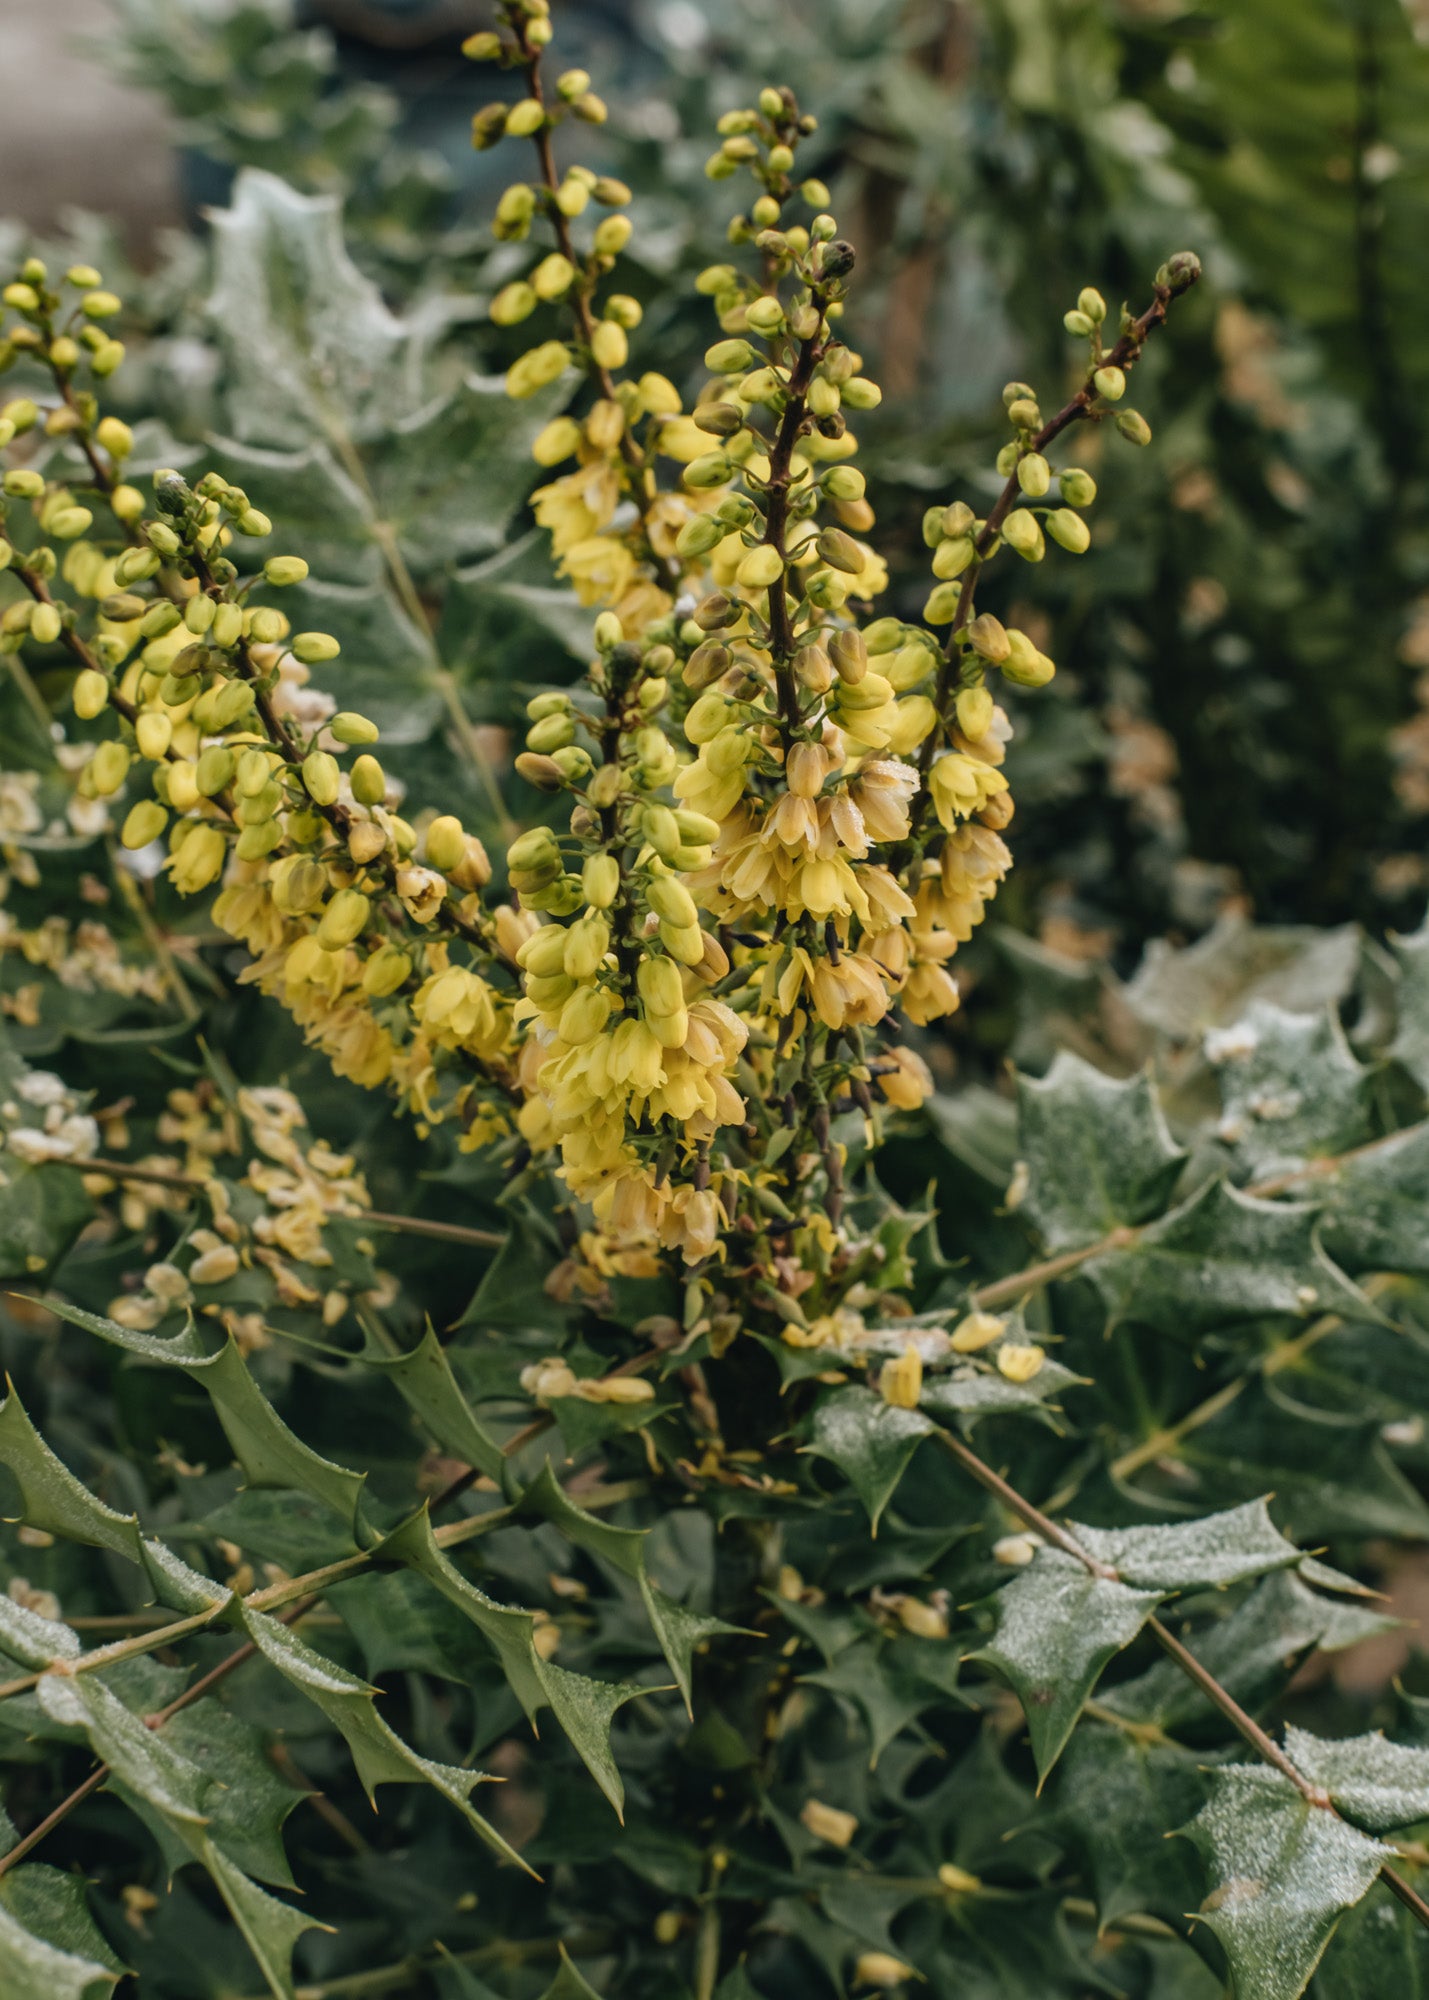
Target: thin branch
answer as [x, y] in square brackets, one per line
[411, 1225]
[1220, 1697]
[1003, 1291]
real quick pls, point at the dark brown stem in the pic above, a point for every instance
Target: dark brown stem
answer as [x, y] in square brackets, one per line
[1220, 1697]
[204, 1685]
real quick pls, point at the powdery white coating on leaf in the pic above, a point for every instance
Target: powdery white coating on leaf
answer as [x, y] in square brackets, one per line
[33, 1970]
[1220, 1549]
[1282, 1874]
[1097, 1151]
[1057, 1626]
[1379, 1784]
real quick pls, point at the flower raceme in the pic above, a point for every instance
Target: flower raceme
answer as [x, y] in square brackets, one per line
[780, 810]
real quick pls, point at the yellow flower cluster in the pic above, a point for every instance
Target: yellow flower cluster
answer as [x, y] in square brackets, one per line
[783, 813]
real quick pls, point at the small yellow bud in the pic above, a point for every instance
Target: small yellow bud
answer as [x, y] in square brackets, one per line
[46, 624]
[1021, 531]
[978, 1330]
[608, 345]
[761, 567]
[126, 503]
[974, 706]
[958, 1880]
[828, 1823]
[525, 119]
[153, 732]
[116, 437]
[100, 305]
[350, 727]
[1111, 383]
[313, 647]
[144, 822]
[197, 860]
[536, 369]
[900, 1380]
[321, 777]
[386, 970]
[1092, 304]
[600, 880]
[560, 440]
[344, 919]
[880, 1968]
[552, 277]
[281, 570]
[1019, 1360]
[513, 303]
[369, 781]
[90, 694]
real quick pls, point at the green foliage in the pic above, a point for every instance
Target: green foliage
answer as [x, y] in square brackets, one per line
[1205, 1207]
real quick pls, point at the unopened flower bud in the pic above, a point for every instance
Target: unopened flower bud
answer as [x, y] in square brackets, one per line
[321, 777]
[841, 551]
[369, 781]
[1133, 426]
[144, 821]
[314, 647]
[1091, 302]
[344, 919]
[1024, 665]
[1069, 530]
[1022, 532]
[282, 570]
[1111, 383]
[900, 1380]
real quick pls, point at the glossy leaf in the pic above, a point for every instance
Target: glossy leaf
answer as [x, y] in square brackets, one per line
[1283, 1873]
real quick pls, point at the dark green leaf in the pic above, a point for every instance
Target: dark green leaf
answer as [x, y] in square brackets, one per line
[1378, 1784]
[1224, 1256]
[1283, 1872]
[1290, 1089]
[870, 1441]
[1057, 1626]
[1097, 1149]
[267, 1450]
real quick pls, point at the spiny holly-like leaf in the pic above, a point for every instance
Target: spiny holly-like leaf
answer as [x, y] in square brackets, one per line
[1290, 1088]
[890, 1684]
[1411, 1040]
[421, 476]
[1252, 1653]
[584, 1708]
[267, 1450]
[160, 1782]
[1380, 1948]
[1116, 1796]
[1283, 1872]
[51, 1498]
[971, 1392]
[1224, 1256]
[678, 1629]
[270, 1927]
[870, 1441]
[507, 608]
[378, 1752]
[248, 1803]
[1330, 1475]
[1375, 1205]
[1378, 1784]
[51, 1906]
[141, 1758]
[569, 1983]
[1057, 1626]
[1097, 1149]
[32, 1969]
[1212, 982]
[1217, 1550]
[424, 1376]
[311, 346]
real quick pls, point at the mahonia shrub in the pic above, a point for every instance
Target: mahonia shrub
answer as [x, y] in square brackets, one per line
[803, 1660]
